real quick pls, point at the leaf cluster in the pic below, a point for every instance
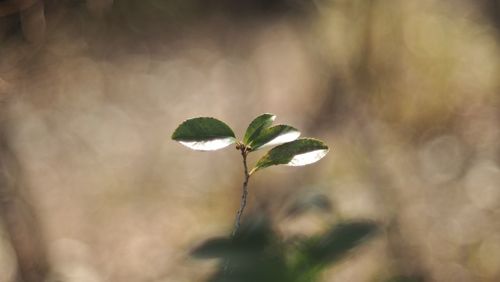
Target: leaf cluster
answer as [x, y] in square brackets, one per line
[208, 134]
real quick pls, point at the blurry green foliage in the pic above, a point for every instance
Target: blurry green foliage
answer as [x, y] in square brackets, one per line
[257, 254]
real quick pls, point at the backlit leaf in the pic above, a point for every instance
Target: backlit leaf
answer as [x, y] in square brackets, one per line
[256, 126]
[275, 135]
[300, 152]
[204, 134]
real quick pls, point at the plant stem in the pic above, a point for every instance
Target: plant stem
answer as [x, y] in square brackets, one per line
[243, 203]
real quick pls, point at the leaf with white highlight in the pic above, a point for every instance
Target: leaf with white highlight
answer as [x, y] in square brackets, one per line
[275, 135]
[204, 134]
[256, 126]
[300, 152]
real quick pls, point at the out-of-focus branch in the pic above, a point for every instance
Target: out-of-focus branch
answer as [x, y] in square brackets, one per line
[32, 17]
[491, 8]
[19, 219]
[33, 22]
[14, 6]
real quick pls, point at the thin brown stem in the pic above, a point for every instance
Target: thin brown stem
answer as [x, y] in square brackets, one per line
[243, 203]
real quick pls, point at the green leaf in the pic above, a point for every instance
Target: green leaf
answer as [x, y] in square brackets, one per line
[300, 152]
[256, 126]
[213, 248]
[204, 134]
[275, 135]
[338, 241]
[253, 238]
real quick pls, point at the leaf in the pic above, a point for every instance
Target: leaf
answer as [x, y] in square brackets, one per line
[204, 134]
[339, 241]
[275, 135]
[256, 126]
[256, 254]
[213, 248]
[254, 236]
[300, 152]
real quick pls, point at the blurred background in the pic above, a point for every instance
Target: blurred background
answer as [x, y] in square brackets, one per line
[406, 94]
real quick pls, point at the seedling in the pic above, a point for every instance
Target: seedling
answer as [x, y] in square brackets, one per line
[209, 134]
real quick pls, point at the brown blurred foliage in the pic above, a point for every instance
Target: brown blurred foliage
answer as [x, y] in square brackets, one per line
[405, 92]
